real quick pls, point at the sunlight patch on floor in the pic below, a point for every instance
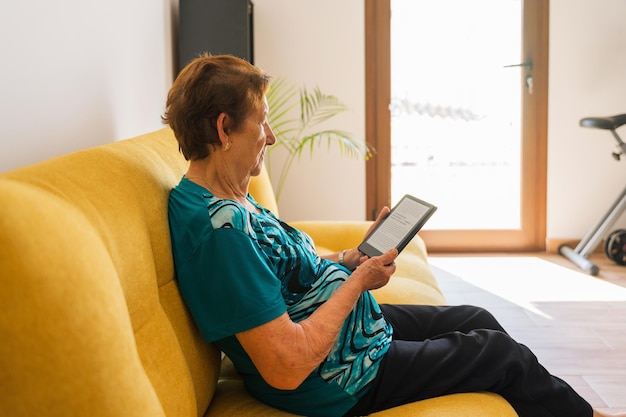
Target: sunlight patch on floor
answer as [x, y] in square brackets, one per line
[526, 281]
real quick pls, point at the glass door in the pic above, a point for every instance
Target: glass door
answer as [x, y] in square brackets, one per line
[463, 121]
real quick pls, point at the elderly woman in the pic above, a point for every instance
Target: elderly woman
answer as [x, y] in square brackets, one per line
[302, 329]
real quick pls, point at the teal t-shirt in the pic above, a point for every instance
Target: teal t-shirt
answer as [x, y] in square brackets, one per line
[237, 270]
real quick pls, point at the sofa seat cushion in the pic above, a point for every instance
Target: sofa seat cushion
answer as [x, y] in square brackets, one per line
[478, 404]
[232, 399]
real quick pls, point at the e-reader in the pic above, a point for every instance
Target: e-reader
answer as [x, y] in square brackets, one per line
[400, 226]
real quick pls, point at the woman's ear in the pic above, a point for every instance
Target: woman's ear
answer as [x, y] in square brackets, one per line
[223, 122]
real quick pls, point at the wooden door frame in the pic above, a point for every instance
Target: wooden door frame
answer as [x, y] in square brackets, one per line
[532, 236]
[377, 104]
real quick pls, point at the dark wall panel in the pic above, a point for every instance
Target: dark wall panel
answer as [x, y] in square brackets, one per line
[217, 27]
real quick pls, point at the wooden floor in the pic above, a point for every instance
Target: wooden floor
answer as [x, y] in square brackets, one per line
[574, 323]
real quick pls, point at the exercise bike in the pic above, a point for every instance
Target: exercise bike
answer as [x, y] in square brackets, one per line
[615, 243]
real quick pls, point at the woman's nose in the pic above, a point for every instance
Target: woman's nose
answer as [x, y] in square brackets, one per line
[271, 139]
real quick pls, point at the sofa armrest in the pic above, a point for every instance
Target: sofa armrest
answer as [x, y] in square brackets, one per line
[333, 236]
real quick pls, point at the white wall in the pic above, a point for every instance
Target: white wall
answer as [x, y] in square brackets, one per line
[587, 78]
[319, 43]
[76, 73]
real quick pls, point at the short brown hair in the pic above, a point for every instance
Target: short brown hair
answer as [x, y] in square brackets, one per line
[208, 86]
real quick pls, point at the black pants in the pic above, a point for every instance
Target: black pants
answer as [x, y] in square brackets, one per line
[444, 350]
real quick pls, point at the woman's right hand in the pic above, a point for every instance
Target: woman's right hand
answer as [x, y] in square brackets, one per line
[376, 271]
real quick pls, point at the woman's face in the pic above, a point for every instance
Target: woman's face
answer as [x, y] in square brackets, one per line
[250, 141]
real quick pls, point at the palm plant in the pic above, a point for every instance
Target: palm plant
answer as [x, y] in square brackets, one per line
[296, 134]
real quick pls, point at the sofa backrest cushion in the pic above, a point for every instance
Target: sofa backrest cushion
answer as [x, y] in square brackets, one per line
[90, 315]
[262, 191]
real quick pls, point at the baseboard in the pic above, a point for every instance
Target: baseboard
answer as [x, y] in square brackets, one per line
[552, 245]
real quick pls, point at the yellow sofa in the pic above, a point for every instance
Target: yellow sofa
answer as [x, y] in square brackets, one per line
[91, 320]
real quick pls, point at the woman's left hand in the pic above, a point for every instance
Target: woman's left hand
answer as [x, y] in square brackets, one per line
[384, 212]
[354, 257]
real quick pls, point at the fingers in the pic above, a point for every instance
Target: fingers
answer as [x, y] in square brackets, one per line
[375, 272]
[386, 258]
[384, 212]
[390, 256]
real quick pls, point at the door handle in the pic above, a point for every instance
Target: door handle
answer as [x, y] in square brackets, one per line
[528, 64]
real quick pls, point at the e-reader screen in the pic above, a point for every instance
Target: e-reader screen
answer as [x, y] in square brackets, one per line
[399, 227]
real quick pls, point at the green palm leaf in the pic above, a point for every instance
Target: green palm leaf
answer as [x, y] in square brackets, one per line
[297, 134]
